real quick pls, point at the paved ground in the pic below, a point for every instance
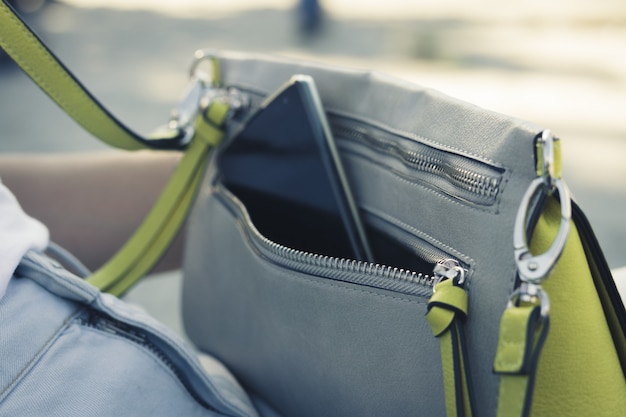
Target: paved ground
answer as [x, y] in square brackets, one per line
[562, 66]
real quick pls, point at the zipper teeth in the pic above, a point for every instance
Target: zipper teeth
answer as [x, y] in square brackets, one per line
[420, 247]
[342, 269]
[484, 186]
[427, 161]
[109, 325]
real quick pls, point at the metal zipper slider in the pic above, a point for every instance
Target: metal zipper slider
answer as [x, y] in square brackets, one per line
[448, 269]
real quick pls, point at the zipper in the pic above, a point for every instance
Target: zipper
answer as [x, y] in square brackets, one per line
[352, 271]
[405, 236]
[463, 178]
[455, 175]
[449, 269]
[141, 338]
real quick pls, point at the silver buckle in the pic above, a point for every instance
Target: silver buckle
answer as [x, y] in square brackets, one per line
[535, 268]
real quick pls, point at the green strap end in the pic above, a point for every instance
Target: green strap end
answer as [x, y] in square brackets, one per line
[448, 302]
[515, 344]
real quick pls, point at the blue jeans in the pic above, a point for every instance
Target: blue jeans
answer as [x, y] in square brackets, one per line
[68, 349]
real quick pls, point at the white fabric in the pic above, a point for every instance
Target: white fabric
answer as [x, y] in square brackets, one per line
[19, 233]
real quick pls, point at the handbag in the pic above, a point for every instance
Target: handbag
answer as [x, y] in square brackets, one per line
[513, 294]
[490, 294]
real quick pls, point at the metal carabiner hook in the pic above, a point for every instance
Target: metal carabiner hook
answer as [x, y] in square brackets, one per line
[535, 268]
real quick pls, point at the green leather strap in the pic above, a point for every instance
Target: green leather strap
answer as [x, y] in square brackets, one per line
[152, 238]
[40, 64]
[522, 334]
[556, 158]
[447, 308]
[159, 228]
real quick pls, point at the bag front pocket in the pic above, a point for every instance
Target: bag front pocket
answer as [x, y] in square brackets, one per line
[405, 263]
[311, 334]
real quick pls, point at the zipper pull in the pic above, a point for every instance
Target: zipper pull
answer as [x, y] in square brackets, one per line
[448, 269]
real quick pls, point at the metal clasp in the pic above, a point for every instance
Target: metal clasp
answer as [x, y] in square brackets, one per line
[533, 294]
[202, 90]
[535, 268]
[182, 117]
[548, 159]
[211, 76]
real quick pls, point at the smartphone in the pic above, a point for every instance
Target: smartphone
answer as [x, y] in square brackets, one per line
[283, 165]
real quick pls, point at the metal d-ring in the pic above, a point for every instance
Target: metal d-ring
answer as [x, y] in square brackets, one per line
[535, 268]
[200, 83]
[201, 56]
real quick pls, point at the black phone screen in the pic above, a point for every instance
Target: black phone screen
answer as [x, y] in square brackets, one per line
[278, 167]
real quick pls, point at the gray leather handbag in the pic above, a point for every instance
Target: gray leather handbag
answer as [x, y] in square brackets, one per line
[447, 192]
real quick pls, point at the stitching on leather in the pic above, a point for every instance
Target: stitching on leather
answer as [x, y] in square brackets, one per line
[414, 136]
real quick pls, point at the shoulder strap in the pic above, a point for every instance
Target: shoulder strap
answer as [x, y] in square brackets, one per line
[158, 230]
[45, 69]
[160, 227]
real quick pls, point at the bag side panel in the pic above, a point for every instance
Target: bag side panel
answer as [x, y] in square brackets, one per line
[579, 370]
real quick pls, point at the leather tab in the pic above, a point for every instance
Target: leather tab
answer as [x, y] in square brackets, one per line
[516, 339]
[208, 123]
[446, 303]
[523, 332]
[558, 165]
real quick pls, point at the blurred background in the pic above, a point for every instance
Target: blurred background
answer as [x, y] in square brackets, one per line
[560, 64]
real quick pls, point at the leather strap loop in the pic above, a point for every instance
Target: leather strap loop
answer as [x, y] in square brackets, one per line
[447, 309]
[523, 332]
